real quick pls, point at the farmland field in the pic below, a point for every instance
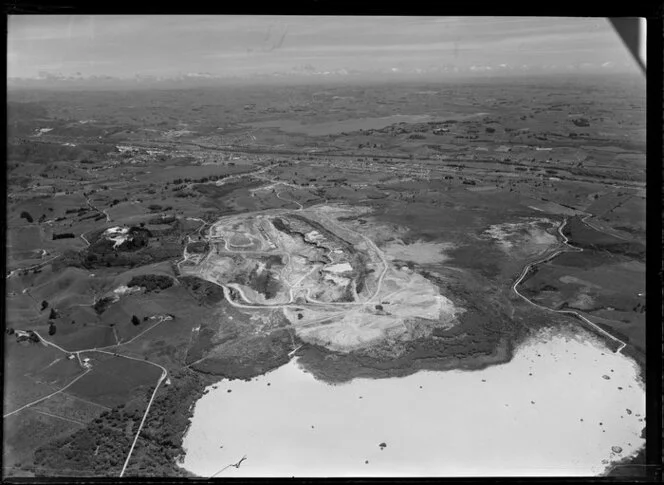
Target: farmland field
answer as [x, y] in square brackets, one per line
[114, 380]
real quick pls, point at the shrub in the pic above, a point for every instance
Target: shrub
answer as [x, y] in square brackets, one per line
[581, 122]
[102, 304]
[151, 282]
[26, 215]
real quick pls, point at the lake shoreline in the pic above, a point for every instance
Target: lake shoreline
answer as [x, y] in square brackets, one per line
[306, 430]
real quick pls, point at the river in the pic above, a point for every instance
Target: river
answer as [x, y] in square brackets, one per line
[557, 408]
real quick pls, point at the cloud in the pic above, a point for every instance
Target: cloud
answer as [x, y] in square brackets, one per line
[363, 48]
[128, 44]
[45, 28]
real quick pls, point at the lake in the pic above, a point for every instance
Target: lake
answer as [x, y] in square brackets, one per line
[557, 408]
[347, 126]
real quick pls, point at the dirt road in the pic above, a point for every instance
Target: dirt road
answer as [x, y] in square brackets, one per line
[527, 268]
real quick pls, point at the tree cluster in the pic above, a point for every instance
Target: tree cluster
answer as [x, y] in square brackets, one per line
[151, 282]
[100, 447]
[26, 215]
[202, 180]
[64, 235]
[102, 304]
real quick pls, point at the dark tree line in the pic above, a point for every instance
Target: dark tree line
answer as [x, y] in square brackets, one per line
[64, 235]
[209, 178]
[151, 282]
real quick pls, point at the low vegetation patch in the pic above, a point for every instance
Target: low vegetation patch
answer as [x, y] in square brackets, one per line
[64, 235]
[151, 282]
[102, 304]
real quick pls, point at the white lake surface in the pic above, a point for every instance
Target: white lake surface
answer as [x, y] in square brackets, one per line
[550, 411]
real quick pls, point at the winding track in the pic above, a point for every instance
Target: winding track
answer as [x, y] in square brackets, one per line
[527, 268]
[87, 243]
[378, 252]
[226, 288]
[36, 266]
[300, 207]
[108, 218]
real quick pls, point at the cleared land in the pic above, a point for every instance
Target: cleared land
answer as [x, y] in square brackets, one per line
[333, 284]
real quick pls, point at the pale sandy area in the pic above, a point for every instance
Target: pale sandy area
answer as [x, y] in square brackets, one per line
[418, 252]
[524, 238]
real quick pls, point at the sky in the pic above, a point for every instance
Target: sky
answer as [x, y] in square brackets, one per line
[126, 46]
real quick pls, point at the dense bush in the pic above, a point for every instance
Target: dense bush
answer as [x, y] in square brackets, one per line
[26, 215]
[101, 447]
[64, 235]
[162, 220]
[203, 291]
[102, 304]
[69, 258]
[151, 282]
[198, 247]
